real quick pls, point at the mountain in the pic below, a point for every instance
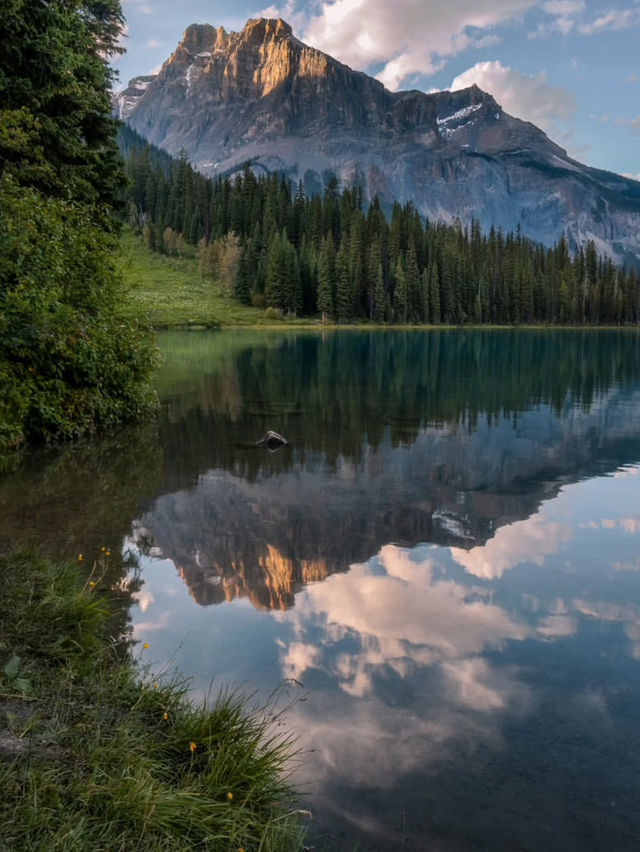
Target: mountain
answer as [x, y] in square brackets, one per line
[263, 96]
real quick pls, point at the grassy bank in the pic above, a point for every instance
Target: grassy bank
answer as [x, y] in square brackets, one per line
[93, 757]
[171, 292]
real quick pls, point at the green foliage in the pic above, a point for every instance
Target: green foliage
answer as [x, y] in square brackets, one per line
[171, 291]
[56, 130]
[69, 361]
[102, 759]
[14, 676]
[322, 253]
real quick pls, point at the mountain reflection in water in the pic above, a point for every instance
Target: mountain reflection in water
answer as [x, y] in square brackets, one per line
[395, 438]
[441, 556]
[445, 555]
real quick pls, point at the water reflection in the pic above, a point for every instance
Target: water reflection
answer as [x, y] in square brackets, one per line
[488, 671]
[446, 556]
[432, 691]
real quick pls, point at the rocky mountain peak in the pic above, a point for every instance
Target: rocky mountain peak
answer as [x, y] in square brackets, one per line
[263, 96]
[261, 29]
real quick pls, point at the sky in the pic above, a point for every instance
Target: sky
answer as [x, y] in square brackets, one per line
[571, 67]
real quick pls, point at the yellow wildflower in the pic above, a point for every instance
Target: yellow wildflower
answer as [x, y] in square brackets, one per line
[102, 549]
[230, 795]
[92, 583]
[193, 746]
[108, 553]
[145, 645]
[165, 716]
[80, 557]
[155, 685]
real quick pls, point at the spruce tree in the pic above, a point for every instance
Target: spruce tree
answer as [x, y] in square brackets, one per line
[56, 129]
[326, 279]
[344, 292]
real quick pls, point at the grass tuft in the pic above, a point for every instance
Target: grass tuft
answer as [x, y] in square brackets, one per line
[94, 757]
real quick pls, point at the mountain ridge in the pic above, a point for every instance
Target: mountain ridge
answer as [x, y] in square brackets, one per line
[263, 96]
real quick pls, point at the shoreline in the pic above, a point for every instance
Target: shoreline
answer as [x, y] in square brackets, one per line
[95, 754]
[173, 296]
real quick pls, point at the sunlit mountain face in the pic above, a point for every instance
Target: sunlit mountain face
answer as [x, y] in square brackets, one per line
[261, 96]
[438, 574]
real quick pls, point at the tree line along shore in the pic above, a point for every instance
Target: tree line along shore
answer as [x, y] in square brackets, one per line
[270, 245]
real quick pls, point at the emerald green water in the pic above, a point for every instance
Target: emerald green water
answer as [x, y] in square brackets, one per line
[445, 557]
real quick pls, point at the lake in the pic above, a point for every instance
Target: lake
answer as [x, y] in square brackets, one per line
[439, 575]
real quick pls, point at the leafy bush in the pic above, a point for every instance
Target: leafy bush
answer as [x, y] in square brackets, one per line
[70, 362]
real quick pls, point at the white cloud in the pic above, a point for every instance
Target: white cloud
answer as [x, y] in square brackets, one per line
[564, 7]
[529, 98]
[631, 526]
[415, 41]
[297, 18]
[614, 19]
[555, 626]
[633, 123]
[153, 43]
[139, 5]
[487, 41]
[564, 25]
[627, 614]
[564, 12]
[401, 618]
[523, 541]
[635, 176]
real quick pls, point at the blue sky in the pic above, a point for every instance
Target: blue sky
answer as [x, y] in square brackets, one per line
[570, 66]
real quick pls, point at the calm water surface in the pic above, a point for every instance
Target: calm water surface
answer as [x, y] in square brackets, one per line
[446, 557]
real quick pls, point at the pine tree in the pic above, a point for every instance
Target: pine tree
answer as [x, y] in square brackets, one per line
[274, 290]
[379, 296]
[326, 279]
[56, 129]
[400, 294]
[434, 294]
[344, 292]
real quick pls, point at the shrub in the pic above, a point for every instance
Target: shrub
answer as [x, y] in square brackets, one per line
[69, 360]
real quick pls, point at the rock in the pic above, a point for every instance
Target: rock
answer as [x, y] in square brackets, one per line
[263, 96]
[272, 441]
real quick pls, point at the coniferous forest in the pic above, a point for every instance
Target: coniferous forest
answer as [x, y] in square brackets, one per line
[271, 245]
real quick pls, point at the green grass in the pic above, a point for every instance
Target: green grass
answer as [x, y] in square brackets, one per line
[171, 292]
[92, 756]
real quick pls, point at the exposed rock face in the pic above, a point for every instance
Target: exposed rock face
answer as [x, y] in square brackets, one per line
[263, 96]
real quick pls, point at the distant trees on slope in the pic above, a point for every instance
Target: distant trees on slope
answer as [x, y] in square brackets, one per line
[271, 246]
